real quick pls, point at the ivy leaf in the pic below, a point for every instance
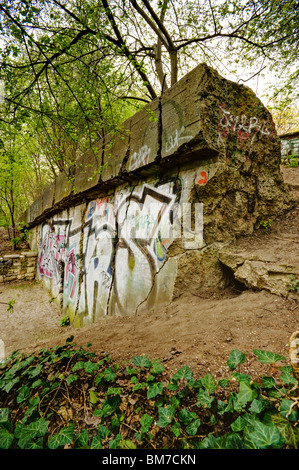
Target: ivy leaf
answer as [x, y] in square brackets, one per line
[6, 439]
[157, 368]
[23, 394]
[235, 358]
[154, 389]
[82, 439]
[285, 409]
[114, 391]
[71, 378]
[127, 444]
[146, 422]
[193, 427]
[263, 436]
[96, 443]
[142, 361]
[103, 432]
[289, 432]
[176, 429]
[209, 383]
[245, 394]
[268, 357]
[109, 375]
[186, 416]
[183, 373]
[257, 406]
[4, 413]
[93, 397]
[204, 399]
[65, 436]
[238, 424]
[166, 415]
[90, 367]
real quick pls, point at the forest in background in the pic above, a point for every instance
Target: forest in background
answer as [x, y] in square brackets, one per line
[73, 71]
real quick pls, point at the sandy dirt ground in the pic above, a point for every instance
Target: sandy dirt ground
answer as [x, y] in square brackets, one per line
[194, 330]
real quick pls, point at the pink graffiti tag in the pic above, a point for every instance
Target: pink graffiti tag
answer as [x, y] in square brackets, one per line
[71, 273]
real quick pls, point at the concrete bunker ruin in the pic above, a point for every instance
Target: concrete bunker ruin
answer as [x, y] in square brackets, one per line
[139, 219]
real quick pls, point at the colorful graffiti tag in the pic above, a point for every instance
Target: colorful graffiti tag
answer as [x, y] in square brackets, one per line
[116, 253]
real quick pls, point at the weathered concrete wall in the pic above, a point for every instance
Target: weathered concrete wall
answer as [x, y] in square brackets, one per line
[18, 267]
[197, 167]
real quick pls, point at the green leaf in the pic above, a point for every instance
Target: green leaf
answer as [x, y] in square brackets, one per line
[263, 436]
[166, 415]
[238, 424]
[154, 389]
[7, 388]
[287, 411]
[25, 433]
[93, 397]
[82, 440]
[224, 383]
[204, 399]
[90, 367]
[4, 413]
[289, 432]
[193, 427]
[268, 382]
[23, 394]
[109, 375]
[103, 431]
[127, 444]
[79, 365]
[139, 386]
[157, 368]
[35, 371]
[209, 383]
[114, 391]
[186, 416]
[288, 378]
[96, 443]
[176, 429]
[65, 436]
[6, 439]
[268, 357]
[146, 422]
[72, 378]
[142, 361]
[183, 373]
[258, 405]
[245, 394]
[235, 358]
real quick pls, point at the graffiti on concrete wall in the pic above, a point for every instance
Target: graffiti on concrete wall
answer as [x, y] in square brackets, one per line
[246, 128]
[116, 252]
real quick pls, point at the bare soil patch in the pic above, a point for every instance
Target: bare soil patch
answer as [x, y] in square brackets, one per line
[199, 332]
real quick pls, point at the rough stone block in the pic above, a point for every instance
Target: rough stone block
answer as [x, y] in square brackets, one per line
[48, 197]
[116, 149]
[206, 114]
[63, 187]
[144, 137]
[87, 174]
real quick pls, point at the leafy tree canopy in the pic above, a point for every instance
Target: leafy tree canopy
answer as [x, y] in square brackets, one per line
[73, 70]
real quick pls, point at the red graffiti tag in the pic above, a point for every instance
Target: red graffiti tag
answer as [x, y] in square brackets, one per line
[204, 179]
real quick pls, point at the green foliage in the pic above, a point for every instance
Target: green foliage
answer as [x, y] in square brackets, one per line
[294, 284]
[266, 224]
[67, 397]
[65, 321]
